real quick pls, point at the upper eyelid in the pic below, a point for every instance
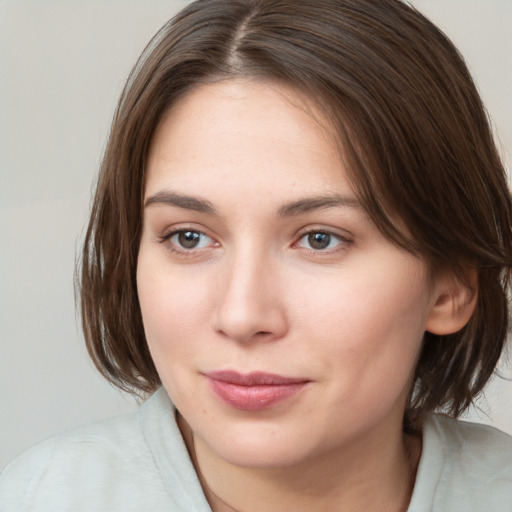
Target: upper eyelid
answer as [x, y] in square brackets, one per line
[340, 233]
[337, 232]
[178, 228]
[177, 232]
[177, 249]
[344, 240]
[341, 238]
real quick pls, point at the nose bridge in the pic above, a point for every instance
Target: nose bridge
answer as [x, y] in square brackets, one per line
[249, 303]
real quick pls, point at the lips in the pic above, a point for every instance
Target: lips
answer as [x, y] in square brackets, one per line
[253, 391]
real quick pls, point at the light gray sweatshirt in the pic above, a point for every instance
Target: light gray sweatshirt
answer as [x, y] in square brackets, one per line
[139, 462]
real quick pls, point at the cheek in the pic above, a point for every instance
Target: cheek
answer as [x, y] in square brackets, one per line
[174, 314]
[370, 326]
[173, 307]
[366, 305]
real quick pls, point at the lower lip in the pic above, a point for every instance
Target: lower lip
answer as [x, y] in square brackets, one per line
[254, 398]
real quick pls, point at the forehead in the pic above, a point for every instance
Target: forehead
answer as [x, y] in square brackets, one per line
[253, 134]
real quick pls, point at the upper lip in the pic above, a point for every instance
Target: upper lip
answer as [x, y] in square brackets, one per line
[253, 378]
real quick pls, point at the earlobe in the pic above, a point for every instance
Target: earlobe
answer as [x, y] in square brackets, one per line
[454, 303]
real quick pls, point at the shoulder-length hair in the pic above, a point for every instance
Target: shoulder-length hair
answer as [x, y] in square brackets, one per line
[414, 135]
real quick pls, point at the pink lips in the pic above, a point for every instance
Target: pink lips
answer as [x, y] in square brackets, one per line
[253, 391]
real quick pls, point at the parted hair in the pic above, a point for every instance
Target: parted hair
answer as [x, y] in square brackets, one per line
[411, 129]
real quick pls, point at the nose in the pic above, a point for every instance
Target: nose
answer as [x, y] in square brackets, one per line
[250, 304]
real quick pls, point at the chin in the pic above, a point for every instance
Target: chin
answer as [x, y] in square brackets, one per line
[260, 455]
[257, 445]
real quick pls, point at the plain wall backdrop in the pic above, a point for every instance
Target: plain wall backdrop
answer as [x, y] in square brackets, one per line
[62, 67]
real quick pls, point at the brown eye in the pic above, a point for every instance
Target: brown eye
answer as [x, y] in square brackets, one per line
[319, 241]
[322, 241]
[188, 239]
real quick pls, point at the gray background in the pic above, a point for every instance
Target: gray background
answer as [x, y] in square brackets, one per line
[62, 67]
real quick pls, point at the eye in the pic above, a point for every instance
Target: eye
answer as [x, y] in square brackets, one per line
[321, 241]
[189, 240]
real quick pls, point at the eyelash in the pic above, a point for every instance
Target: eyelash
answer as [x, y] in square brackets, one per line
[343, 242]
[175, 248]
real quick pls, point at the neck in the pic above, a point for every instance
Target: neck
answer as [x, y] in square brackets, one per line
[366, 476]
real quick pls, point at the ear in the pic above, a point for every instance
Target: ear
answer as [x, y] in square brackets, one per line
[454, 302]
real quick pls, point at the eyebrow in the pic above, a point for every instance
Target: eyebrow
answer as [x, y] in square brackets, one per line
[298, 207]
[318, 203]
[182, 201]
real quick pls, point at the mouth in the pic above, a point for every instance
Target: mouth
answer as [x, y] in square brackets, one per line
[253, 391]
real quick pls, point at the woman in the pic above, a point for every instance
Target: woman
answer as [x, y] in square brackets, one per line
[301, 245]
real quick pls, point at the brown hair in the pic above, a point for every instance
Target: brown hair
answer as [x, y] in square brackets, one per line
[414, 133]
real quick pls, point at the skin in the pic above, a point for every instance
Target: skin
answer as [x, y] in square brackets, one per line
[254, 294]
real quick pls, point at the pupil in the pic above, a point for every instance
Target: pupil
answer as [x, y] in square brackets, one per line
[319, 240]
[188, 239]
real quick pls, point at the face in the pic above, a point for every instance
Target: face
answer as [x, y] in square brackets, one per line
[282, 323]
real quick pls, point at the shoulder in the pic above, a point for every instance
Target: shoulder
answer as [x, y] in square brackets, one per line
[65, 469]
[103, 436]
[135, 462]
[484, 451]
[464, 467]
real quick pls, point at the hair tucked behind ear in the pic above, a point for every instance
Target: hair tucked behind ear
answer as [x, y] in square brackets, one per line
[411, 128]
